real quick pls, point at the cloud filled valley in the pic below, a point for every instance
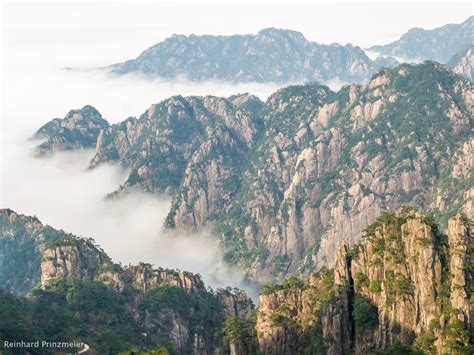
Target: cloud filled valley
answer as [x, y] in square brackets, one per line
[62, 192]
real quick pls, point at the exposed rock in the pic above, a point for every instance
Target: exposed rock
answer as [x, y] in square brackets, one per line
[169, 307]
[401, 283]
[282, 182]
[78, 129]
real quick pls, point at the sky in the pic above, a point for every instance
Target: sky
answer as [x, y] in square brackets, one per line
[40, 39]
[119, 30]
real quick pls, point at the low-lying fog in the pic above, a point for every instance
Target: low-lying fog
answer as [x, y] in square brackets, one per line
[60, 190]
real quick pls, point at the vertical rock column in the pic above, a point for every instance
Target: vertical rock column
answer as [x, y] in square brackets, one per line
[460, 266]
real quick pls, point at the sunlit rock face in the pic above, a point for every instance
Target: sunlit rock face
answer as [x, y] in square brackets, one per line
[405, 282]
[282, 182]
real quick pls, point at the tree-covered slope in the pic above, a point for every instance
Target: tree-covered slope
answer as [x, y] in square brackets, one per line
[74, 292]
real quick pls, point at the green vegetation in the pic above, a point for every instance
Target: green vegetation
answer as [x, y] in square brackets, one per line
[292, 282]
[361, 280]
[71, 310]
[365, 313]
[376, 286]
[457, 338]
[397, 348]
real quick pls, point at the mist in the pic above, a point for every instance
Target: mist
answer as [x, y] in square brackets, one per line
[61, 191]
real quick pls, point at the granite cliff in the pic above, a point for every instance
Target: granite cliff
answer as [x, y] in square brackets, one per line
[78, 129]
[282, 181]
[406, 286]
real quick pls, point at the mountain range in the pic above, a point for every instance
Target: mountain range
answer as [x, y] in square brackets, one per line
[404, 289]
[351, 210]
[282, 181]
[272, 55]
[286, 56]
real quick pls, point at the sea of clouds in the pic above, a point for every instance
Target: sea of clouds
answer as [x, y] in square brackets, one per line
[60, 190]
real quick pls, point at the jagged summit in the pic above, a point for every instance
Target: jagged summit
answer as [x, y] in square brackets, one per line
[78, 129]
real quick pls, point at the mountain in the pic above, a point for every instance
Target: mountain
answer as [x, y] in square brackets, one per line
[405, 289]
[463, 63]
[272, 55]
[75, 292]
[282, 181]
[439, 44]
[78, 129]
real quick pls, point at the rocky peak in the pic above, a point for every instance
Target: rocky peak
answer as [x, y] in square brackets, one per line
[78, 129]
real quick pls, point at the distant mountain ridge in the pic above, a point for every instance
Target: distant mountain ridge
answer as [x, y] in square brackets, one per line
[439, 44]
[272, 55]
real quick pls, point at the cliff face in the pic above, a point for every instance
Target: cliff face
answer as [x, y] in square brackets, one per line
[282, 181]
[169, 308]
[405, 282]
[78, 129]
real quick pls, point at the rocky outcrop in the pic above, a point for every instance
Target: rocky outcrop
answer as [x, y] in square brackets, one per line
[460, 241]
[169, 307]
[78, 129]
[405, 282]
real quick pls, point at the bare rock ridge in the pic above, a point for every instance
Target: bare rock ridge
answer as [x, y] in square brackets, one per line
[168, 307]
[78, 129]
[282, 182]
[405, 286]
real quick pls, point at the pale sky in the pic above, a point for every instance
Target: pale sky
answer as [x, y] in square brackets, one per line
[113, 31]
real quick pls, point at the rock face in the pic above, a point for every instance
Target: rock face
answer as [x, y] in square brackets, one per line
[439, 44]
[78, 129]
[171, 308]
[463, 63]
[405, 282]
[272, 55]
[282, 182]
